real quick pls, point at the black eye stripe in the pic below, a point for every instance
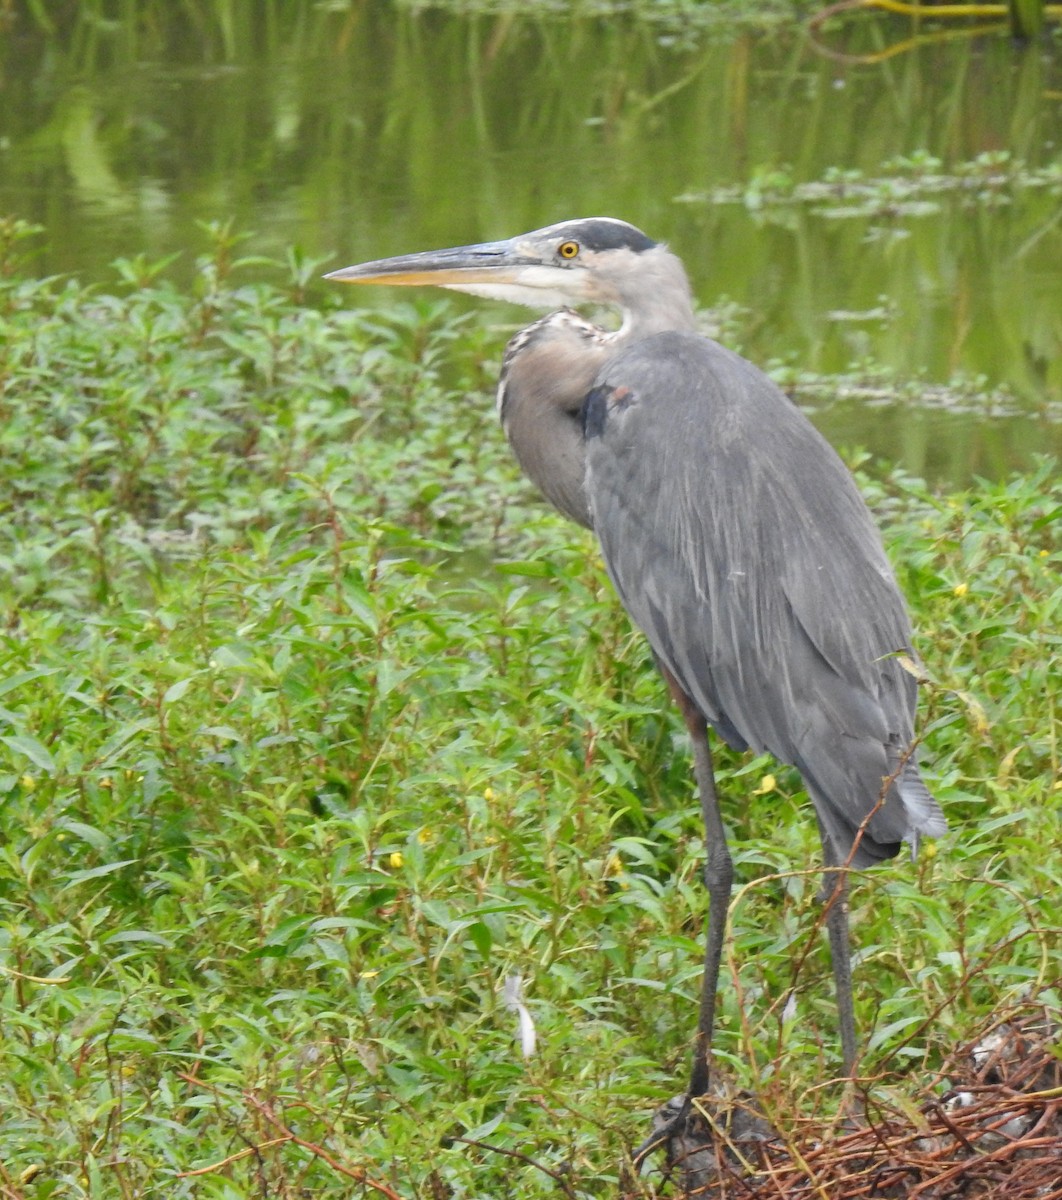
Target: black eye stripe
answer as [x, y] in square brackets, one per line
[598, 233]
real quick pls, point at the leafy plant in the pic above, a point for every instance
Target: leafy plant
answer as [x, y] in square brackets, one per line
[316, 728]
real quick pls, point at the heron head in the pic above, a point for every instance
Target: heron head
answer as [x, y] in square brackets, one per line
[596, 260]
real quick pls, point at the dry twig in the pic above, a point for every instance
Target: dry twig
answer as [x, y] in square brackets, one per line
[995, 1135]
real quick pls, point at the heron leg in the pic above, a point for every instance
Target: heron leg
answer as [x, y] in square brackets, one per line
[718, 878]
[834, 893]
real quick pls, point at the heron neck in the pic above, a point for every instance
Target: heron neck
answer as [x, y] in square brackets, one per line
[662, 302]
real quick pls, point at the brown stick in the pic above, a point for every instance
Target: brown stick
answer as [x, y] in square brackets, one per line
[285, 1135]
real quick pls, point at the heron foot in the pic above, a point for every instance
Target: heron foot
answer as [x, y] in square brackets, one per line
[669, 1121]
[708, 1139]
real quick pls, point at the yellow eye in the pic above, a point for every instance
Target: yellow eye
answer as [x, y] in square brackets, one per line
[568, 249]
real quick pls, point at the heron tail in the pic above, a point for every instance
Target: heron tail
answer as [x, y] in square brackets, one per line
[924, 813]
[908, 812]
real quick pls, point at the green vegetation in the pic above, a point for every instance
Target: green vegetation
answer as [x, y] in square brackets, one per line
[316, 726]
[906, 185]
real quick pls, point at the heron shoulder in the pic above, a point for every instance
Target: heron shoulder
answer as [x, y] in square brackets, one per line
[544, 352]
[548, 370]
[712, 406]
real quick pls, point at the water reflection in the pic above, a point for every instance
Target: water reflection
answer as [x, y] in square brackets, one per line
[362, 131]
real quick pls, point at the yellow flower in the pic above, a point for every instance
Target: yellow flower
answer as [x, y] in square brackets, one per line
[424, 836]
[28, 783]
[960, 589]
[489, 794]
[396, 859]
[929, 850]
[767, 784]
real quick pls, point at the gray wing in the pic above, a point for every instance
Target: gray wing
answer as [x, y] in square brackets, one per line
[740, 545]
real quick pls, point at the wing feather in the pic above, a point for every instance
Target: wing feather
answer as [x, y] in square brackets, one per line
[740, 545]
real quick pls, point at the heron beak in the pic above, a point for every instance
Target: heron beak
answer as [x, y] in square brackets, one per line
[514, 271]
[461, 266]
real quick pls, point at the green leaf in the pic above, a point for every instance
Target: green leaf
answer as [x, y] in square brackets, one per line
[482, 938]
[32, 749]
[96, 838]
[76, 877]
[138, 935]
[176, 690]
[21, 677]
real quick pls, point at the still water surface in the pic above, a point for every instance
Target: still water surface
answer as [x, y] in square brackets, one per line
[894, 222]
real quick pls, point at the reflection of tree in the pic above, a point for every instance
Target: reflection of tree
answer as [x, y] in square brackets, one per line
[86, 152]
[1024, 19]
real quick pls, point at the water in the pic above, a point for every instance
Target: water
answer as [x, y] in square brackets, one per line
[898, 219]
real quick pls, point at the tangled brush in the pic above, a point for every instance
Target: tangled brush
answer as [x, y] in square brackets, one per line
[989, 1127]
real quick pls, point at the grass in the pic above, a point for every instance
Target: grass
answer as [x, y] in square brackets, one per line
[316, 726]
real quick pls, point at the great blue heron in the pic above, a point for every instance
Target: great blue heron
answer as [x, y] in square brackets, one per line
[735, 537]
